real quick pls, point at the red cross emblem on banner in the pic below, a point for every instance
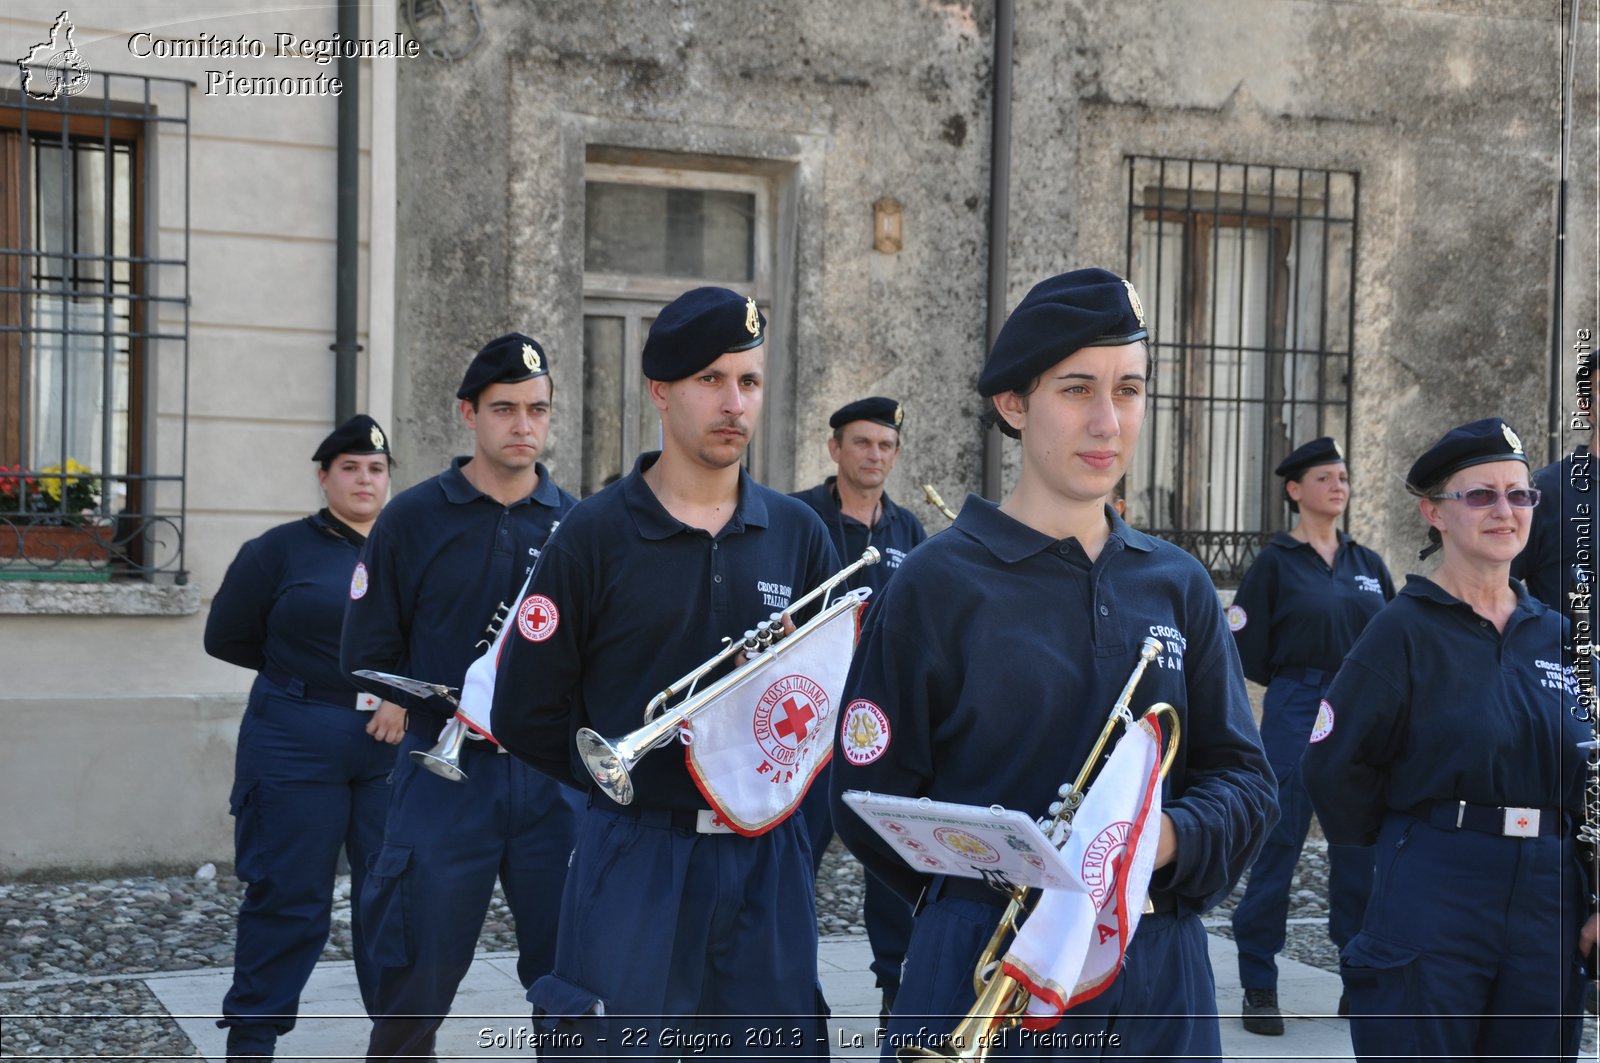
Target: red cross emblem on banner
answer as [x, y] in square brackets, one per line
[797, 717]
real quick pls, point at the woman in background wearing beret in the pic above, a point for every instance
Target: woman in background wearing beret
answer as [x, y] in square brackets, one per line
[1449, 739]
[311, 770]
[1299, 609]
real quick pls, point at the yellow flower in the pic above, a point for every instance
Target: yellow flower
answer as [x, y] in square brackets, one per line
[76, 481]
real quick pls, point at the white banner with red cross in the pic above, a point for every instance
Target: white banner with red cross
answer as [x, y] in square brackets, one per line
[756, 750]
[1071, 948]
[477, 689]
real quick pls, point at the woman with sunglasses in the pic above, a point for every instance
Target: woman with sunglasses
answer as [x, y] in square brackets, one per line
[1449, 738]
[1298, 610]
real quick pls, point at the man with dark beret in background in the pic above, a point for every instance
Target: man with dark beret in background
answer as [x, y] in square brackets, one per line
[444, 562]
[989, 666]
[859, 513]
[676, 932]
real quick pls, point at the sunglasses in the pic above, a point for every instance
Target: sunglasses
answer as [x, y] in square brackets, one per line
[1487, 497]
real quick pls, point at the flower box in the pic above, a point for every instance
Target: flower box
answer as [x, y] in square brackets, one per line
[73, 552]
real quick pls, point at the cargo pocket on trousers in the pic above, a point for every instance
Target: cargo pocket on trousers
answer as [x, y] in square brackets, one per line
[384, 906]
[566, 1008]
[1380, 976]
[251, 856]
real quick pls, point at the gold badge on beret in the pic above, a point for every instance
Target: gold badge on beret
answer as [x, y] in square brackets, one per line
[1511, 437]
[899, 414]
[752, 318]
[530, 358]
[1134, 303]
[376, 435]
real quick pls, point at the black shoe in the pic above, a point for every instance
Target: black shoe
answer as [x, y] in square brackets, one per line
[1261, 1014]
[1344, 1005]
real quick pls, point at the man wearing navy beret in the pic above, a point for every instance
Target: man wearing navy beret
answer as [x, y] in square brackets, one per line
[989, 666]
[672, 924]
[859, 513]
[444, 563]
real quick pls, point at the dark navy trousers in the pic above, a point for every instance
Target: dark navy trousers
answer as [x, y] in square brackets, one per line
[1469, 948]
[308, 780]
[1163, 1004]
[1261, 918]
[886, 914]
[429, 888]
[675, 944]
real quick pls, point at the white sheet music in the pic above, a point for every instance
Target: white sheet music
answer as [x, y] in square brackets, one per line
[968, 841]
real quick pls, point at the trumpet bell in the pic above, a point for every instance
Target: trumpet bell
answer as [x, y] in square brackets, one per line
[444, 759]
[607, 765]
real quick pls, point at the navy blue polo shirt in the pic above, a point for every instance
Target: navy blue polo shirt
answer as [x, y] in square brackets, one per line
[627, 600]
[1293, 611]
[1563, 531]
[895, 533]
[441, 559]
[993, 660]
[1434, 704]
[281, 603]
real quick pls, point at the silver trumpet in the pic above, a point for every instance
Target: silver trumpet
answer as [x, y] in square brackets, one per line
[611, 762]
[444, 758]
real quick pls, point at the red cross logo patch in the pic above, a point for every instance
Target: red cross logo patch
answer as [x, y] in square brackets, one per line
[791, 715]
[537, 618]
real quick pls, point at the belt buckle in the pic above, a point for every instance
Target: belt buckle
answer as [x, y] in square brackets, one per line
[708, 822]
[1149, 906]
[1521, 823]
[366, 703]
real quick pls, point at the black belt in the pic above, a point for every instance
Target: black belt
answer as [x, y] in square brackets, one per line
[429, 725]
[297, 688]
[1508, 821]
[1314, 676]
[976, 889]
[677, 818]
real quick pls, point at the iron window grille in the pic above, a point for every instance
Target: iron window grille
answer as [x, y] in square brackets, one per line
[1247, 274]
[94, 302]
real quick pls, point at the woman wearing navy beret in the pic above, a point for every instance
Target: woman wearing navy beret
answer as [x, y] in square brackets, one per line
[1450, 739]
[314, 753]
[1298, 610]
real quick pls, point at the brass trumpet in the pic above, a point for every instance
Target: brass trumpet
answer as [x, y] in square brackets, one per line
[937, 501]
[611, 762]
[1002, 1000]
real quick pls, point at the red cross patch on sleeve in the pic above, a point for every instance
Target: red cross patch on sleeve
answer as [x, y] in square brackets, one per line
[537, 618]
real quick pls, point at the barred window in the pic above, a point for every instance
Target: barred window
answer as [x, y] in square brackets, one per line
[1246, 272]
[82, 330]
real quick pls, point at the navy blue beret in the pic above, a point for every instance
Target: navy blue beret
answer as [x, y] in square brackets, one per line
[510, 359]
[359, 435]
[877, 409]
[697, 328]
[1490, 439]
[1084, 308]
[1320, 451]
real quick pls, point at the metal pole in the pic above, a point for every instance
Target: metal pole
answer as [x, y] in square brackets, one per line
[999, 214]
[349, 157]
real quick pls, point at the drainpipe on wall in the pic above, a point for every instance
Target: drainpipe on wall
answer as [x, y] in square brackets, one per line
[999, 214]
[346, 232]
[1558, 341]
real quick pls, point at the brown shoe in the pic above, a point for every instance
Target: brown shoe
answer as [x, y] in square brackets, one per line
[1261, 1014]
